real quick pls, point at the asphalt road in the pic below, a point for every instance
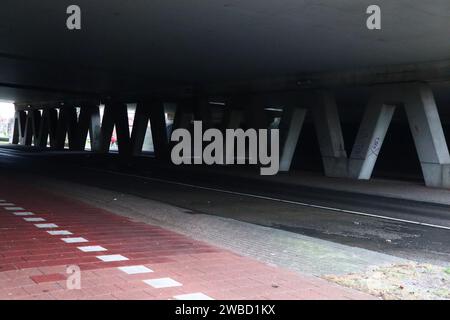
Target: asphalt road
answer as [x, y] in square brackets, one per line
[408, 229]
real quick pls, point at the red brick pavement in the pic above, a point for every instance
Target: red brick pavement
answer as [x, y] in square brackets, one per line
[33, 263]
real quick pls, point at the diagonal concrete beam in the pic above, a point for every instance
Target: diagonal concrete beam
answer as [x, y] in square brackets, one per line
[429, 138]
[290, 127]
[329, 133]
[370, 138]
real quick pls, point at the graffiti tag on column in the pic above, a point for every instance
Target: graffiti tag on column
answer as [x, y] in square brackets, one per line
[376, 147]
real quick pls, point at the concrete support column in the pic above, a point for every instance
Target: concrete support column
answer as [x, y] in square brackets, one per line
[159, 131]
[234, 114]
[255, 114]
[428, 135]
[153, 111]
[95, 128]
[202, 112]
[41, 142]
[34, 120]
[28, 133]
[232, 119]
[51, 115]
[140, 125]
[89, 122]
[119, 114]
[20, 119]
[47, 126]
[122, 129]
[67, 125]
[116, 114]
[329, 133]
[107, 127]
[184, 114]
[369, 140]
[290, 127]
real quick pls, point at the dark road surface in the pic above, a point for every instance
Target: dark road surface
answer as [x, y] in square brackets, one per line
[377, 223]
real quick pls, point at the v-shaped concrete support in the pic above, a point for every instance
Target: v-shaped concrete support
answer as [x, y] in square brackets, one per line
[424, 121]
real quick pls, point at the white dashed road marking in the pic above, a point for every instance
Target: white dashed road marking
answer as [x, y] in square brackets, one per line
[14, 208]
[135, 269]
[74, 240]
[193, 296]
[60, 233]
[23, 214]
[46, 225]
[162, 283]
[112, 258]
[34, 219]
[92, 249]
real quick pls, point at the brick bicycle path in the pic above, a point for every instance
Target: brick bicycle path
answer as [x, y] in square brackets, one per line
[42, 234]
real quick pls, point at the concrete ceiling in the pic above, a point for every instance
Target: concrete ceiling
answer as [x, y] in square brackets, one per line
[139, 45]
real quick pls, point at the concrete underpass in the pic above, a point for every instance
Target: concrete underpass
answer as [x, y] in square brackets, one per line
[359, 120]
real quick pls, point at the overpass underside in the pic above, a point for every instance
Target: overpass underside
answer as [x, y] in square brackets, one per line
[292, 65]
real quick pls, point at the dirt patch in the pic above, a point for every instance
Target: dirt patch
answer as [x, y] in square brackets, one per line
[410, 281]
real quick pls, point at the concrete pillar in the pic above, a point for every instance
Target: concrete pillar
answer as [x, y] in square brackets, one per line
[290, 127]
[202, 112]
[184, 114]
[159, 131]
[329, 133]
[369, 140]
[20, 118]
[232, 119]
[428, 135]
[41, 142]
[61, 131]
[67, 126]
[28, 133]
[140, 125]
[120, 115]
[52, 116]
[254, 112]
[234, 114]
[107, 127]
[34, 121]
[115, 114]
[89, 122]
[95, 128]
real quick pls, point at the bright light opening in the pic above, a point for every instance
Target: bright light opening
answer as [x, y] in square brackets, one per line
[7, 111]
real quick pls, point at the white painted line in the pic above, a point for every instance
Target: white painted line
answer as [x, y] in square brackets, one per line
[46, 225]
[278, 200]
[135, 269]
[112, 258]
[60, 233]
[162, 283]
[34, 219]
[1, 200]
[74, 240]
[22, 214]
[6, 204]
[92, 249]
[14, 208]
[193, 296]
